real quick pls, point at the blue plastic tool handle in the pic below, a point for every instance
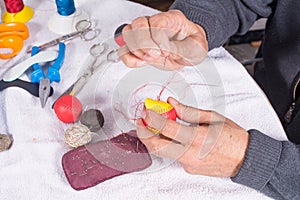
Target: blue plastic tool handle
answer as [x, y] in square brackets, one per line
[37, 73]
[53, 71]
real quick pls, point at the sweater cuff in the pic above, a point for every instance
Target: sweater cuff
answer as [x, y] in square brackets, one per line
[261, 159]
[206, 20]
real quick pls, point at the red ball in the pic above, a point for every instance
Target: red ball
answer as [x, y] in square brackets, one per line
[68, 108]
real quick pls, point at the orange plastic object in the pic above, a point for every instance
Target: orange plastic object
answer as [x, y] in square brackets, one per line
[11, 38]
[162, 108]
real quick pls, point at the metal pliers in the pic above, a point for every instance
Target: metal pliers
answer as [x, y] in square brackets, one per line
[37, 76]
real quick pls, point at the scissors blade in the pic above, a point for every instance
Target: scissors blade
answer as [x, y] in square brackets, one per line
[44, 91]
[76, 86]
[56, 41]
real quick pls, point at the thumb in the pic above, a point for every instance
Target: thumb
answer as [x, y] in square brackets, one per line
[194, 115]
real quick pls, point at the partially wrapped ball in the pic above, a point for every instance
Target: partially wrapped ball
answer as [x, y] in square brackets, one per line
[77, 135]
[163, 108]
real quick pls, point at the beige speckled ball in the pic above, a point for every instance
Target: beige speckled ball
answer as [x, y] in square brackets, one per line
[5, 142]
[77, 135]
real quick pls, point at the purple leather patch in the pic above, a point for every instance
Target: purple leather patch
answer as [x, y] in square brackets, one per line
[89, 165]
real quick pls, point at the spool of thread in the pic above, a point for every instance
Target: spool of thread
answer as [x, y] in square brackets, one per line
[66, 17]
[16, 11]
[65, 7]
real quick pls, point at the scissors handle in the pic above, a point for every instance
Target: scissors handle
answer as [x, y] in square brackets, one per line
[32, 88]
[13, 44]
[14, 28]
[53, 71]
[118, 35]
[11, 38]
[37, 73]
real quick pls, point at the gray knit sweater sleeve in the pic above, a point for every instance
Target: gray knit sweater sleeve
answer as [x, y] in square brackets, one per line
[223, 18]
[271, 167]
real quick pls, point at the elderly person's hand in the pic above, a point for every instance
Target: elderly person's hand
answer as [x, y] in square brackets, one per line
[167, 40]
[210, 145]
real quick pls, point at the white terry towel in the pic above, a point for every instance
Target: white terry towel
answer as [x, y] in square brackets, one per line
[32, 169]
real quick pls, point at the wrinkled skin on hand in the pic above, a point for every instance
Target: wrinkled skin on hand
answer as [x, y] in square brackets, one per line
[167, 40]
[210, 145]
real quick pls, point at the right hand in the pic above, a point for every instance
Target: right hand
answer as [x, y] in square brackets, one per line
[167, 40]
[210, 144]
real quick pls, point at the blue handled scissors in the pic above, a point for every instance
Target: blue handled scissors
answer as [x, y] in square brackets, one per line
[37, 76]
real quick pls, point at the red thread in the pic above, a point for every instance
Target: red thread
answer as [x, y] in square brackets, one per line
[14, 6]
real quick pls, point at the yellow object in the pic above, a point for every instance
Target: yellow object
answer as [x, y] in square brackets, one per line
[158, 106]
[23, 16]
[11, 38]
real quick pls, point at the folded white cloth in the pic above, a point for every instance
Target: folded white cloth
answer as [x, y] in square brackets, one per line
[32, 169]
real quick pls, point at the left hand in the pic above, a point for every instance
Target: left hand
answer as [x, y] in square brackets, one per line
[212, 145]
[167, 40]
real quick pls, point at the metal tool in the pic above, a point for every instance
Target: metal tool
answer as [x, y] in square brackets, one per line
[32, 88]
[12, 36]
[37, 76]
[96, 51]
[84, 31]
[17, 70]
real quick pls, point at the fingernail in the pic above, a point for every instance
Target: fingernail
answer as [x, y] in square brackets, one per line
[144, 113]
[173, 101]
[138, 122]
[141, 63]
[154, 53]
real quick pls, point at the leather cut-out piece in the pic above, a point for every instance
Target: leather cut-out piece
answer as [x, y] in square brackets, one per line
[94, 163]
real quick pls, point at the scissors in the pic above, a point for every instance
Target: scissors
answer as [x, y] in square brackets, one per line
[95, 51]
[84, 31]
[37, 76]
[12, 36]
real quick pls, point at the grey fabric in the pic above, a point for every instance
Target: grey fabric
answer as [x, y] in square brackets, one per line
[271, 166]
[221, 19]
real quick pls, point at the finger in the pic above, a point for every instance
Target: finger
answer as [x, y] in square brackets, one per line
[142, 131]
[129, 36]
[164, 63]
[159, 146]
[129, 59]
[173, 33]
[160, 62]
[169, 128]
[138, 38]
[163, 28]
[194, 115]
[190, 56]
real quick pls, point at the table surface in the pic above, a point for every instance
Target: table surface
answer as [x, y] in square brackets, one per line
[31, 169]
